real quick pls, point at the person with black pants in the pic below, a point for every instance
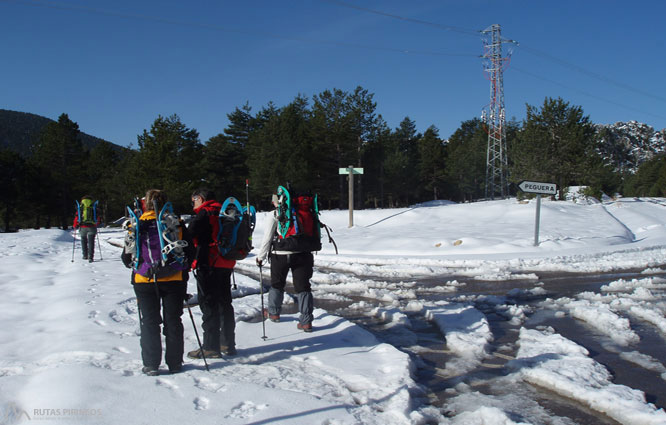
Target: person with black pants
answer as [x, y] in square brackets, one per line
[213, 274]
[171, 296]
[158, 286]
[300, 262]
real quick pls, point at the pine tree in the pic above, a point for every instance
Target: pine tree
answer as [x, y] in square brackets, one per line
[466, 160]
[374, 159]
[400, 164]
[224, 163]
[102, 169]
[60, 155]
[225, 156]
[555, 145]
[168, 159]
[13, 174]
[649, 180]
[431, 162]
[281, 150]
[334, 138]
[364, 124]
[241, 124]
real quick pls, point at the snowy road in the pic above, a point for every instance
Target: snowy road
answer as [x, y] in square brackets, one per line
[456, 364]
[491, 330]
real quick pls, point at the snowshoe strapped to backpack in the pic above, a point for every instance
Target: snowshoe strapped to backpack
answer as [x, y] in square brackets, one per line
[299, 228]
[131, 227]
[156, 246]
[236, 225]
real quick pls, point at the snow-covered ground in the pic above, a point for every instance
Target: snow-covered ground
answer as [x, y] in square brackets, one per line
[71, 353]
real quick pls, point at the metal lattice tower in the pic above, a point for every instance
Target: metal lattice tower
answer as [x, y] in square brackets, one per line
[497, 167]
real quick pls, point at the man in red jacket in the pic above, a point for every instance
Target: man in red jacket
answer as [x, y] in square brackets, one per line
[213, 273]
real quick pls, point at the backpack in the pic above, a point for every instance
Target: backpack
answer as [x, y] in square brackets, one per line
[87, 211]
[156, 246]
[299, 228]
[236, 225]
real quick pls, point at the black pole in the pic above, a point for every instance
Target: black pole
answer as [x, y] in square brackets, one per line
[73, 244]
[99, 245]
[247, 194]
[263, 317]
[203, 356]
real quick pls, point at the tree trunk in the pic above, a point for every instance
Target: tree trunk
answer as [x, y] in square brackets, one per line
[7, 216]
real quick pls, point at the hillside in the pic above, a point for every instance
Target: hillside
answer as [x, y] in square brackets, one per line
[19, 130]
[626, 145]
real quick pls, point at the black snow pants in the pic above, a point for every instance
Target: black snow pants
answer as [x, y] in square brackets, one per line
[170, 295]
[218, 321]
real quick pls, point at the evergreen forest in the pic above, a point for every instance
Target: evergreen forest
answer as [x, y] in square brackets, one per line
[305, 143]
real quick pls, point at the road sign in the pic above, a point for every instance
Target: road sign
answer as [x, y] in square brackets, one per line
[538, 187]
[353, 170]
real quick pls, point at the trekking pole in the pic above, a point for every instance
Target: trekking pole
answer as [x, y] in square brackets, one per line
[233, 277]
[247, 194]
[203, 356]
[263, 318]
[99, 246]
[73, 244]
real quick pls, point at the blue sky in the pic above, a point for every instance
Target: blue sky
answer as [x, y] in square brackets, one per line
[113, 67]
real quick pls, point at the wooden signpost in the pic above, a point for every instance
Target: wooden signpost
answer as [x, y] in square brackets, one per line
[351, 171]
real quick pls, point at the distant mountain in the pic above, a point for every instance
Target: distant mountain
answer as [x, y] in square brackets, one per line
[626, 145]
[19, 130]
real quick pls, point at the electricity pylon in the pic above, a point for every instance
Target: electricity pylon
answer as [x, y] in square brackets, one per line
[497, 166]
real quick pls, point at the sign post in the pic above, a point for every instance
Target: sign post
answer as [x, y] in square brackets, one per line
[539, 189]
[351, 171]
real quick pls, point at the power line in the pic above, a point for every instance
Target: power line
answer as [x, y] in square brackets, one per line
[533, 51]
[404, 18]
[591, 74]
[165, 21]
[161, 20]
[584, 93]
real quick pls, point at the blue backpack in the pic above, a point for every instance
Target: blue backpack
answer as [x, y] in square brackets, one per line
[236, 225]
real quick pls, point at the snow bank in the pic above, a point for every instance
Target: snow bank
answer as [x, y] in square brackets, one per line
[466, 331]
[549, 360]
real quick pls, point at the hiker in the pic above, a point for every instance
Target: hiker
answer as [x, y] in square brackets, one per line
[86, 220]
[213, 274]
[159, 284]
[285, 256]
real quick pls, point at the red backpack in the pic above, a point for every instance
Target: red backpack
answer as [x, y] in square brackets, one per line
[299, 228]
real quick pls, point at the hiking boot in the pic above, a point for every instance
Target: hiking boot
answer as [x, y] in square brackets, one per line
[90, 260]
[176, 369]
[272, 317]
[210, 354]
[150, 370]
[228, 351]
[305, 327]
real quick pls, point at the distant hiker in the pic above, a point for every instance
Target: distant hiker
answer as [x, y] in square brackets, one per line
[290, 238]
[160, 261]
[87, 220]
[213, 274]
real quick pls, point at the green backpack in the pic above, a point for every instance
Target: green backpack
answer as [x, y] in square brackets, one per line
[87, 211]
